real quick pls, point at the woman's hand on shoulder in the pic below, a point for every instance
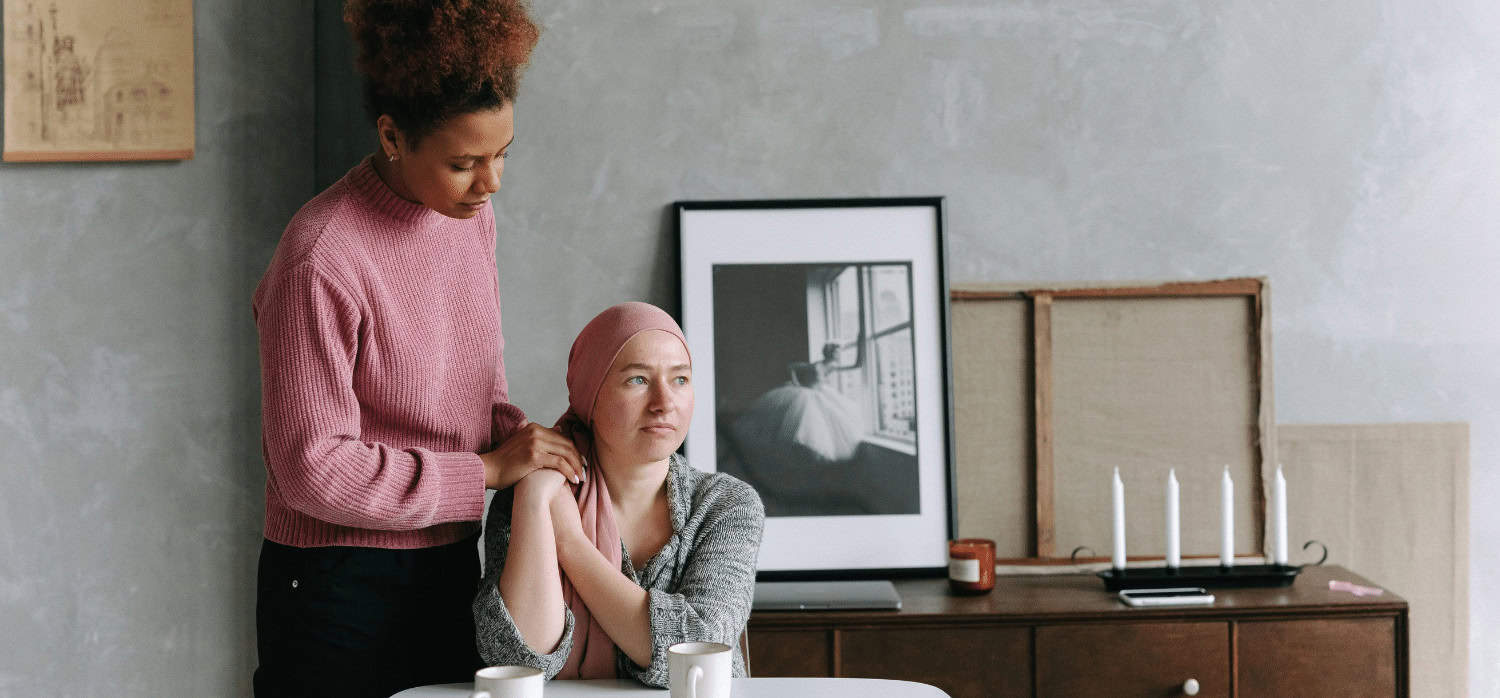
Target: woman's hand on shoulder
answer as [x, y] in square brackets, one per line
[530, 448]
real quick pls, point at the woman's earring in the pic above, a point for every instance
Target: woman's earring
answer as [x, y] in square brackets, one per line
[393, 157]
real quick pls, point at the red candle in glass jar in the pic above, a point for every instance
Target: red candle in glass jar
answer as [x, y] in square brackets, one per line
[971, 565]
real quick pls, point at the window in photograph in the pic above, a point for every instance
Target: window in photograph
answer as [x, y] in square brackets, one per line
[867, 312]
[842, 331]
[893, 367]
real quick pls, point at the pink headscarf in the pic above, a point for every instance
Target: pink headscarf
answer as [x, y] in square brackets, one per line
[593, 353]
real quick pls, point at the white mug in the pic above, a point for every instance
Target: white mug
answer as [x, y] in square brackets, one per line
[507, 682]
[699, 669]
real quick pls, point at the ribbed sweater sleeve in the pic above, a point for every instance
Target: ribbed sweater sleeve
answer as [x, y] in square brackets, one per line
[309, 338]
[505, 418]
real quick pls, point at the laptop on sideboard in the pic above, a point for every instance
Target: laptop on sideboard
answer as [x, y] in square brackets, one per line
[826, 596]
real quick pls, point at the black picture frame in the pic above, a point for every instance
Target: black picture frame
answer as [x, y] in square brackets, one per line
[819, 382]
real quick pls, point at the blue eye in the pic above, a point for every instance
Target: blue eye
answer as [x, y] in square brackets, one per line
[681, 380]
[636, 380]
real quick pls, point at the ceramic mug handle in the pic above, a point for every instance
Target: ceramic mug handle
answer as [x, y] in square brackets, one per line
[480, 694]
[694, 675]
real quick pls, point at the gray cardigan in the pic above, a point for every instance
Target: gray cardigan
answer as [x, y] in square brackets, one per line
[699, 585]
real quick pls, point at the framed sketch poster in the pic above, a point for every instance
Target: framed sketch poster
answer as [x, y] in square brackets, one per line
[89, 80]
[819, 333]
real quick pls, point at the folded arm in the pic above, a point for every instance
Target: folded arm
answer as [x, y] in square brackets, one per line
[709, 602]
[519, 614]
[618, 603]
[530, 582]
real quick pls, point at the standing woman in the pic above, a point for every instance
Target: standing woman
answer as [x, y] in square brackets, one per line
[384, 397]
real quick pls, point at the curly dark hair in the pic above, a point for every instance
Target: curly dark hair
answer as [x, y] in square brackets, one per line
[425, 61]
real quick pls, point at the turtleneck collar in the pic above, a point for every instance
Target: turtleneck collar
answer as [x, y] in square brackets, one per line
[366, 183]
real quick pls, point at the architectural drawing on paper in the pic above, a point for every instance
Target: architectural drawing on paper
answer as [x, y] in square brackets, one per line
[98, 79]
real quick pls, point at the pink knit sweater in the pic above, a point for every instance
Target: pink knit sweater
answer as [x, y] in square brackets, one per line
[381, 370]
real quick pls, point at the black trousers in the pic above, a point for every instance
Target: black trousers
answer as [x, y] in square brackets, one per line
[364, 622]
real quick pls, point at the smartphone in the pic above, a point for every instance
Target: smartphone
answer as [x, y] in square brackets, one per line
[1177, 596]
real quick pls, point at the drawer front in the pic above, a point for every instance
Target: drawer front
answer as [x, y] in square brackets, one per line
[789, 653]
[965, 662]
[1132, 659]
[1323, 657]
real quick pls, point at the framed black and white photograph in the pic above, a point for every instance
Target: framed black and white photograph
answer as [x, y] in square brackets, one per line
[819, 337]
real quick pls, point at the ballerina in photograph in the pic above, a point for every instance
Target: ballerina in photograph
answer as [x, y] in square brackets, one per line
[807, 415]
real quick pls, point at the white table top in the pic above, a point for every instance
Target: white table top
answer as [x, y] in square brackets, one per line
[740, 688]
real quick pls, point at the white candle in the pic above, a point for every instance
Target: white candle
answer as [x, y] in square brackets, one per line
[1278, 509]
[1117, 491]
[1226, 525]
[1174, 546]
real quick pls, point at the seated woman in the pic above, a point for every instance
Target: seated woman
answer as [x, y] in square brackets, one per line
[599, 580]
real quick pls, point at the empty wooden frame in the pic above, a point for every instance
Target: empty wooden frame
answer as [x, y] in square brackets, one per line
[1057, 385]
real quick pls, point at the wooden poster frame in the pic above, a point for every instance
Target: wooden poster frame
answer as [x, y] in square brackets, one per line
[1041, 301]
[98, 81]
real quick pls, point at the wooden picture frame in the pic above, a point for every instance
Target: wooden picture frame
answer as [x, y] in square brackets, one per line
[98, 80]
[1042, 305]
[819, 333]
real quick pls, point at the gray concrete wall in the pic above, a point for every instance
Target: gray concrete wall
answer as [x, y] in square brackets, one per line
[1348, 150]
[131, 484]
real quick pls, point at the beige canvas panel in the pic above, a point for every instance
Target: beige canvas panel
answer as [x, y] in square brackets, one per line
[1391, 503]
[1148, 384]
[992, 422]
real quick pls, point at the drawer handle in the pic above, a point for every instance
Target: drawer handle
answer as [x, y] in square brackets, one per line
[1190, 687]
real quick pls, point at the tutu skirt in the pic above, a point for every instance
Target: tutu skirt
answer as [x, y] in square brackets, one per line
[818, 422]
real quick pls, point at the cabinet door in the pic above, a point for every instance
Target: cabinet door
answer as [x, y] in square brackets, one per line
[1323, 657]
[964, 661]
[789, 653]
[1132, 659]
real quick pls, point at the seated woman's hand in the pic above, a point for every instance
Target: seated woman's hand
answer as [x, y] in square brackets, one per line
[538, 488]
[530, 448]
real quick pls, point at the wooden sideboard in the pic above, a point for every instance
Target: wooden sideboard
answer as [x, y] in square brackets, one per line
[1064, 635]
